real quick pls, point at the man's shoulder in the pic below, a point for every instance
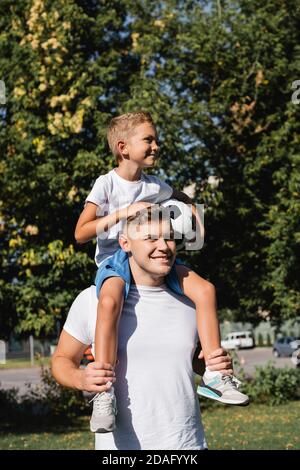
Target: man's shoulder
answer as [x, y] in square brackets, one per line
[80, 322]
[86, 296]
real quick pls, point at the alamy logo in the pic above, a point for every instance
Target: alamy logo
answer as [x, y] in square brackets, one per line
[186, 226]
[296, 94]
[2, 92]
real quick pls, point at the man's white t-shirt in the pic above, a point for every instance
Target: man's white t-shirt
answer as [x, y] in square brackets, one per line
[112, 192]
[155, 390]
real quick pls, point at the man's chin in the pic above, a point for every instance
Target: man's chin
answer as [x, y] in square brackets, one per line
[161, 268]
[165, 270]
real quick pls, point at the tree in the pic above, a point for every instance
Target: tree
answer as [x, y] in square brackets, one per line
[65, 66]
[216, 75]
[230, 72]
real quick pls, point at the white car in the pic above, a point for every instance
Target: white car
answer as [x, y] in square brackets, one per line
[296, 358]
[295, 344]
[238, 340]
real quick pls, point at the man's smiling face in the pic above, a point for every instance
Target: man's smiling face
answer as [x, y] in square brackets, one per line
[152, 246]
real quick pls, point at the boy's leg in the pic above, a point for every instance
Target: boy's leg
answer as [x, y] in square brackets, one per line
[214, 385]
[111, 297]
[203, 294]
[110, 305]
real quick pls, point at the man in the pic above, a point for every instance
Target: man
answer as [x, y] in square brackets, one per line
[154, 384]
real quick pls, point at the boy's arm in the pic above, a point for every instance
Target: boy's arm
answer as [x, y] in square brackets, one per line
[89, 225]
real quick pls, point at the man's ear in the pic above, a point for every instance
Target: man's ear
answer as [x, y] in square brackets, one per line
[124, 242]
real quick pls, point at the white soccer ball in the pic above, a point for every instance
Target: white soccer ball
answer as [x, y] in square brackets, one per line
[181, 217]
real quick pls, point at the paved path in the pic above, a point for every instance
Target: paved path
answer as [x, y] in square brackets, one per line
[249, 358]
[17, 378]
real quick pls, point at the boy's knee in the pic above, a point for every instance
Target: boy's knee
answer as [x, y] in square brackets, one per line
[108, 303]
[208, 288]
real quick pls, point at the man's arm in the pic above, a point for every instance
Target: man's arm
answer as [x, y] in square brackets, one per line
[65, 367]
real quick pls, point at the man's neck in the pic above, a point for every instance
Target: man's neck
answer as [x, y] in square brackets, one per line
[144, 278]
[129, 171]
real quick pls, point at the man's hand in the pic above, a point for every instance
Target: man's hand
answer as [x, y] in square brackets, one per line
[219, 361]
[95, 377]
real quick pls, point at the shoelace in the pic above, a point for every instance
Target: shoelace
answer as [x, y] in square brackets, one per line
[103, 403]
[230, 379]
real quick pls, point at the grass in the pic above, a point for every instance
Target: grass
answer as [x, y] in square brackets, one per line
[47, 436]
[24, 363]
[254, 427]
[258, 427]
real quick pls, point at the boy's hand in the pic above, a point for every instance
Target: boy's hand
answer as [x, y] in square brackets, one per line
[95, 376]
[136, 207]
[219, 360]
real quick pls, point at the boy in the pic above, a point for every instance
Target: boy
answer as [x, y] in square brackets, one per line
[121, 193]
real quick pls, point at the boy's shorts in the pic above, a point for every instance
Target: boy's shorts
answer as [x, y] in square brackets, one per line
[117, 265]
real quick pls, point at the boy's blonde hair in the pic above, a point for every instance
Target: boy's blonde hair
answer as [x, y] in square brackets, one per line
[122, 126]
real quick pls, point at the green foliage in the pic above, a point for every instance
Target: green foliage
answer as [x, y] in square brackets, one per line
[272, 385]
[47, 401]
[63, 64]
[260, 341]
[244, 90]
[217, 78]
[269, 341]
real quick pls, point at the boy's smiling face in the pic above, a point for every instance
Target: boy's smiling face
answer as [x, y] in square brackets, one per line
[141, 147]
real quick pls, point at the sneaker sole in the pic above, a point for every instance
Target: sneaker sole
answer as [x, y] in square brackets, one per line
[204, 393]
[102, 430]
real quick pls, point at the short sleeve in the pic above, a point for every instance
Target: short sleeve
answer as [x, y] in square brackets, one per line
[99, 194]
[165, 191]
[78, 320]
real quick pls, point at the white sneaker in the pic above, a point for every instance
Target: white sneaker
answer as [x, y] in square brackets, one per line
[104, 412]
[223, 388]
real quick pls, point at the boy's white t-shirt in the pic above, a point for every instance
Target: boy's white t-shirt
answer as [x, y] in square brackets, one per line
[156, 399]
[112, 192]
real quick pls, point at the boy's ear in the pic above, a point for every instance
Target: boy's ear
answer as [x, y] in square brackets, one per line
[122, 147]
